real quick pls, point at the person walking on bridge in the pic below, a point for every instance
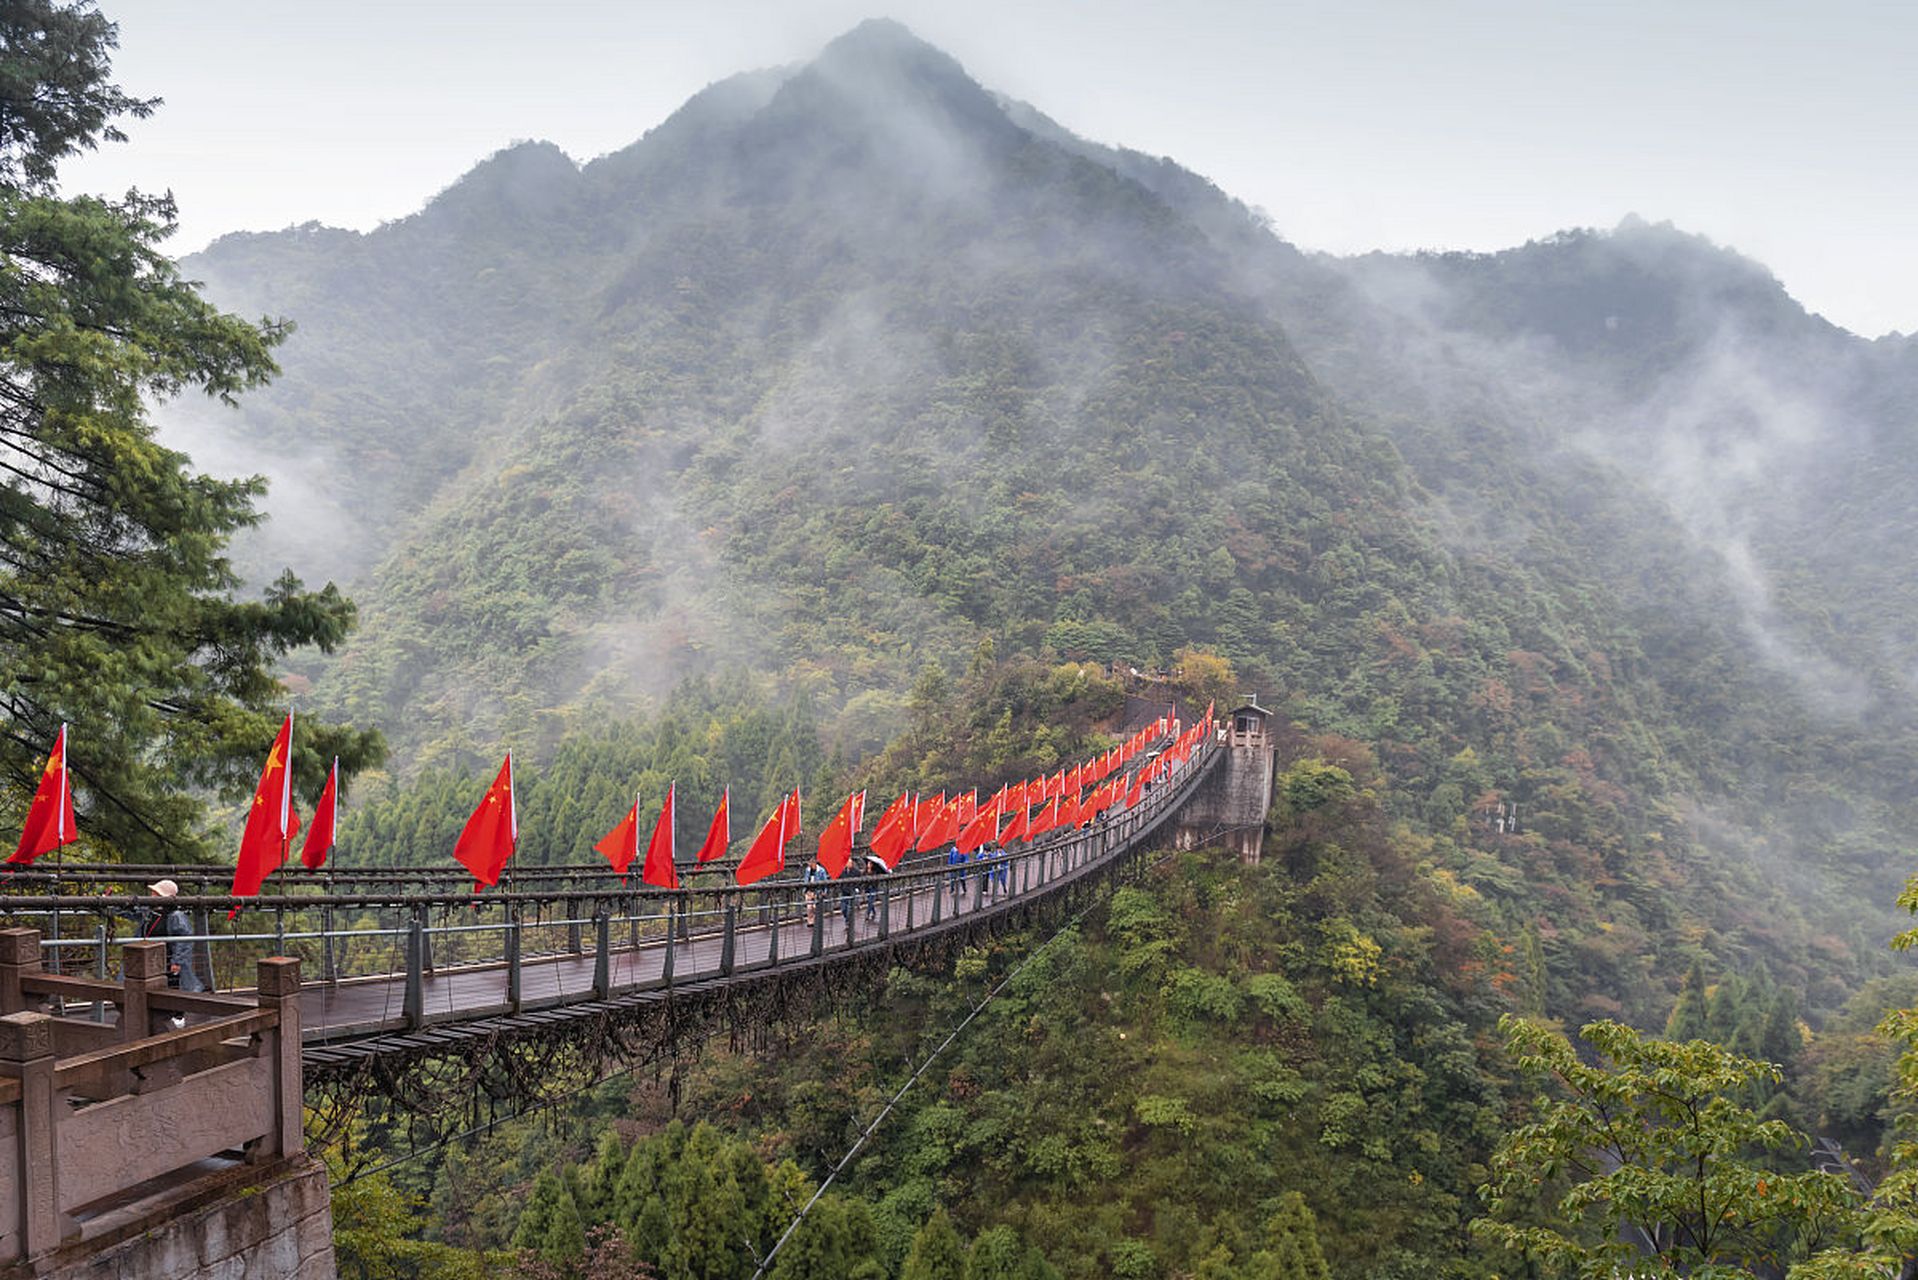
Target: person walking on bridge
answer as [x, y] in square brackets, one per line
[816, 875]
[957, 861]
[171, 923]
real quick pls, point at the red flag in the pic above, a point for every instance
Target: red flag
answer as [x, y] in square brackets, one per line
[1137, 792]
[792, 816]
[319, 837]
[835, 846]
[983, 827]
[1043, 821]
[968, 806]
[719, 836]
[659, 870]
[270, 822]
[492, 833]
[50, 816]
[768, 852]
[1070, 811]
[1016, 829]
[893, 835]
[859, 813]
[941, 829]
[621, 844]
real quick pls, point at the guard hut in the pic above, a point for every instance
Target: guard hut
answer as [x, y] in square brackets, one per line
[1230, 809]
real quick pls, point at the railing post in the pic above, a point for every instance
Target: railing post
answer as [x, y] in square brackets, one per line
[726, 939]
[911, 893]
[142, 972]
[979, 889]
[819, 910]
[772, 936]
[278, 983]
[666, 965]
[513, 940]
[602, 955]
[939, 895]
[26, 1055]
[19, 955]
[885, 908]
[573, 944]
[329, 968]
[426, 938]
[100, 968]
[413, 1008]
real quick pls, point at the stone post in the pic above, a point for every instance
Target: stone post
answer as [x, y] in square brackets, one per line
[142, 972]
[19, 956]
[279, 988]
[26, 1055]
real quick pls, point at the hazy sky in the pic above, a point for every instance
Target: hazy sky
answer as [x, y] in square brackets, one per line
[1784, 130]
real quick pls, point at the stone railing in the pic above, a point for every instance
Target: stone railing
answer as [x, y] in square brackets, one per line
[100, 1115]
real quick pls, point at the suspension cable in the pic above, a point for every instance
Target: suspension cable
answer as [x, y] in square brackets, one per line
[921, 1070]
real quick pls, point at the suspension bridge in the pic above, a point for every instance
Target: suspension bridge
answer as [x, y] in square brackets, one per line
[404, 985]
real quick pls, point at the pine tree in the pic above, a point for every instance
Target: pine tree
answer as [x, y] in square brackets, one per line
[1292, 1244]
[1691, 1016]
[116, 611]
[937, 1253]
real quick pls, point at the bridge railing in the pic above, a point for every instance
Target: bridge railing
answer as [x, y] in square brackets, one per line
[415, 958]
[96, 1116]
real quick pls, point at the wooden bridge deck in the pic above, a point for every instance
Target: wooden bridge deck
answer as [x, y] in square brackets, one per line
[364, 1017]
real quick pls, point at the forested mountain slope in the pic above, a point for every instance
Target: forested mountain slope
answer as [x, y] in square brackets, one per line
[850, 365]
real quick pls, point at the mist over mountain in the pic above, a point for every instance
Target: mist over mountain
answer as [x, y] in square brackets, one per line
[850, 365]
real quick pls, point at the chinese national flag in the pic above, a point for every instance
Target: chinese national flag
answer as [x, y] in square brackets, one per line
[659, 870]
[492, 833]
[893, 834]
[270, 822]
[983, 827]
[719, 836]
[50, 817]
[319, 836]
[1043, 821]
[942, 829]
[768, 852]
[835, 846]
[1137, 792]
[621, 844]
[1016, 829]
[968, 807]
[1070, 811]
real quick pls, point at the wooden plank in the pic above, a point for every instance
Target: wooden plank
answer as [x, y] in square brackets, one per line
[113, 1145]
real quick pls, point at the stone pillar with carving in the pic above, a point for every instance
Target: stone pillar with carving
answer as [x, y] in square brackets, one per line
[19, 956]
[26, 1055]
[142, 972]
[279, 987]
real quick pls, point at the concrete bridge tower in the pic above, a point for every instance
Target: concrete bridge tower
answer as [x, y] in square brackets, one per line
[1230, 809]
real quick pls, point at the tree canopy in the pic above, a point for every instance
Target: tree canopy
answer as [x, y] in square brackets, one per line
[117, 610]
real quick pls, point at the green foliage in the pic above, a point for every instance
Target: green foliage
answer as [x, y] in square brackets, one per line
[1662, 1171]
[114, 584]
[936, 1253]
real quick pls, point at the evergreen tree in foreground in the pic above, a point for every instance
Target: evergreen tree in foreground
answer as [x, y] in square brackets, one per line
[116, 611]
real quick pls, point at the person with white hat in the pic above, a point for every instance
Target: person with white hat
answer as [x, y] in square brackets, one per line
[172, 924]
